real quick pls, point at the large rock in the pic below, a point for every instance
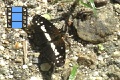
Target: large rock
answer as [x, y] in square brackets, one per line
[96, 30]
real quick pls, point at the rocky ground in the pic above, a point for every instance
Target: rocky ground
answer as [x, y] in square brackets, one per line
[93, 43]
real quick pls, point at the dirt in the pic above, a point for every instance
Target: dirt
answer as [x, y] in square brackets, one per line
[92, 43]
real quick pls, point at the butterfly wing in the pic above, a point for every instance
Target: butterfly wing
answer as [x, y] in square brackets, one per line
[47, 37]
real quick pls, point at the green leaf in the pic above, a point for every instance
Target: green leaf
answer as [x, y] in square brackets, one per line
[101, 47]
[86, 5]
[93, 6]
[73, 73]
[47, 16]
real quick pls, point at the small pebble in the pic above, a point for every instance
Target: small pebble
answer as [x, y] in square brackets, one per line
[25, 66]
[95, 73]
[17, 45]
[33, 78]
[20, 3]
[74, 58]
[100, 58]
[36, 78]
[96, 78]
[116, 54]
[7, 57]
[30, 64]
[2, 77]
[66, 50]
[36, 54]
[10, 76]
[29, 20]
[53, 76]
[2, 48]
[45, 1]
[6, 42]
[16, 30]
[71, 65]
[35, 60]
[115, 39]
[17, 35]
[18, 60]
[4, 36]
[118, 33]
[45, 67]
[2, 63]
[4, 13]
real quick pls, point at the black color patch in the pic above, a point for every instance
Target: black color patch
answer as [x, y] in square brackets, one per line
[38, 38]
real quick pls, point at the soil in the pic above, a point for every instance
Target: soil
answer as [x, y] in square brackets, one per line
[92, 42]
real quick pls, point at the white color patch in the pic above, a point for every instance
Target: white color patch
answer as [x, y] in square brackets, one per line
[38, 23]
[48, 36]
[43, 28]
[60, 56]
[55, 50]
[61, 47]
[35, 21]
[56, 57]
[57, 61]
[52, 46]
[41, 22]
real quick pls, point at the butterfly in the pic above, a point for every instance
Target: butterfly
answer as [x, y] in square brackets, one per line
[49, 40]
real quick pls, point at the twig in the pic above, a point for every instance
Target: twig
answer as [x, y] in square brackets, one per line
[25, 52]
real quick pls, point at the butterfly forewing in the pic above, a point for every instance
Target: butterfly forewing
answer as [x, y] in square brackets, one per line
[47, 37]
[50, 28]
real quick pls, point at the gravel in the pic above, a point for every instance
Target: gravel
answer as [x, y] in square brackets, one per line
[93, 63]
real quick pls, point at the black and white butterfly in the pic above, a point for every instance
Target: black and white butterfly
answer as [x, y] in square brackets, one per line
[48, 38]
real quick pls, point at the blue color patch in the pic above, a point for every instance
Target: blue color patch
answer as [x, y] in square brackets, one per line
[16, 16]
[16, 25]
[16, 9]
